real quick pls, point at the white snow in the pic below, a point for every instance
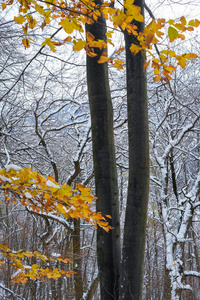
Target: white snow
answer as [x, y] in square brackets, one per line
[2, 177]
[55, 254]
[28, 195]
[13, 167]
[192, 273]
[51, 184]
[17, 272]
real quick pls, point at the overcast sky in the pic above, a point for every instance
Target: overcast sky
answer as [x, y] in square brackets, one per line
[175, 8]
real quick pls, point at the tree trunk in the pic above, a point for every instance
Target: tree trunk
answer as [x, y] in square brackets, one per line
[105, 171]
[77, 260]
[138, 187]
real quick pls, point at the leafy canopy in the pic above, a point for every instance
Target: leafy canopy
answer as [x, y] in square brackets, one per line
[72, 16]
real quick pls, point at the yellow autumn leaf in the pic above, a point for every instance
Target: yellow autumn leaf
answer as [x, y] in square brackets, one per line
[163, 58]
[26, 43]
[103, 59]
[40, 256]
[34, 267]
[24, 29]
[171, 53]
[40, 9]
[183, 20]
[172, 33]
[31, 21]
[119, 61]
[171, 22]
[127, 3]
[134, 11]
[90, 37]
[47, 20]
[109, 33]
[19, 20]
[49, 43]
[28, 254]
[119, 19]
[170, 68]
[91, 54]
[67, 190]
[61, 209]
[135, 49]
[85, 192]
[129, 19]
[3, 5]
[194, 23]
[67, 25]
[164, 52]
[79, 45]
[156, 71]
[118, 64]
[97, 44]
[181, 61]
[70, 25]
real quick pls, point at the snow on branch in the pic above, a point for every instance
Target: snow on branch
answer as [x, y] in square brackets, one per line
[192, 273]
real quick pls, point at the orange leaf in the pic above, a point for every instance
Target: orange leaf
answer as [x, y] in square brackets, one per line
[157, 78]
[26, 43]
[108, 216]
[68, 39]
[103, 59]
[149, 38]
[90, 36]
[91, 54]
[3, 5]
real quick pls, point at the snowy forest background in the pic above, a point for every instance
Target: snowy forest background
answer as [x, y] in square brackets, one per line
[45, 124]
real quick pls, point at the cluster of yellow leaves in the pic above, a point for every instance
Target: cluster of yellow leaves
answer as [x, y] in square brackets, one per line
[73, 15]
[19, 259]
[176, 29]
[43, 195]
[163, 69]
[152, 34]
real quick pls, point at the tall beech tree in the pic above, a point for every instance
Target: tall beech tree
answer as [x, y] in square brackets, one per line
[105, 170]
[138, 185]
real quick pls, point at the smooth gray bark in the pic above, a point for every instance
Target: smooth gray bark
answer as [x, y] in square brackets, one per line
[105, 171]
[138, 187]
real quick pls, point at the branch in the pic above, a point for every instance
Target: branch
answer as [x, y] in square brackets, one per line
[11, 292]
[92, 289]
[77, 168]
[54, 218]
[26, 67]
[192, 273]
